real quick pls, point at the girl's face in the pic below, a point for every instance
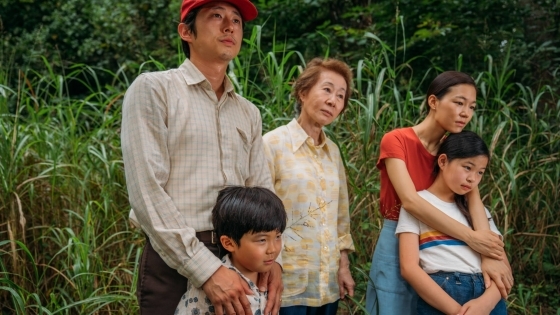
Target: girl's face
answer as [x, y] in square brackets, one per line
[455, 109]
[462, 175]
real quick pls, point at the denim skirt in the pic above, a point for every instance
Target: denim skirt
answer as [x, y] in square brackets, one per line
[387, 292]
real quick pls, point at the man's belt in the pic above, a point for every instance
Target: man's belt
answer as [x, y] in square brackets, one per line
[207, 237]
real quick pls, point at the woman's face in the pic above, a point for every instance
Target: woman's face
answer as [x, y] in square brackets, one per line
[455, 109]
[325, 100]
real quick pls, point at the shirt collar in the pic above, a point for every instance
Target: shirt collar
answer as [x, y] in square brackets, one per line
[299, 137]
[226, 260]
[193, 76]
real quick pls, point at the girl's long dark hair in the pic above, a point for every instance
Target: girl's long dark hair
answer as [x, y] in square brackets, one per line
[461, 145]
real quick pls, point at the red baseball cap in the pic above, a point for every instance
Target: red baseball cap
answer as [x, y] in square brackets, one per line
[246, 8]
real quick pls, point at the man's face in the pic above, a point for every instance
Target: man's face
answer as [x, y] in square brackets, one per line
[219, 33]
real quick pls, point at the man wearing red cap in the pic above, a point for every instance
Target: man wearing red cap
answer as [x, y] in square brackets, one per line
[185, 135]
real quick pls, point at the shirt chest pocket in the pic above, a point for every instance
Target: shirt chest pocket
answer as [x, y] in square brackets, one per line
[242, 147]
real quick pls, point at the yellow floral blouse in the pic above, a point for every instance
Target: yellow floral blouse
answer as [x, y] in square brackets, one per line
[311, 181]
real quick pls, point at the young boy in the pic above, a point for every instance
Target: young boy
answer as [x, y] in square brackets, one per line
[248, 222]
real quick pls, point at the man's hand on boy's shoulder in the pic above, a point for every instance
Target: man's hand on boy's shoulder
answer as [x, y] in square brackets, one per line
[228, 292]
[272, 282]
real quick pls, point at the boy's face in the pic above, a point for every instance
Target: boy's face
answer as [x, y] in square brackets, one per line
[256, 252]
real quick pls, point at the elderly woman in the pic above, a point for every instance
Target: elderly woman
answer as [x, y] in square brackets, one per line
[309, 176]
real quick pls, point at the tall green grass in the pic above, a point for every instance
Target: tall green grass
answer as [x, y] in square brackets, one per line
[66, 246]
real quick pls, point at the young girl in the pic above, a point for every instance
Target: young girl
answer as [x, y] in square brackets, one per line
[444, 271]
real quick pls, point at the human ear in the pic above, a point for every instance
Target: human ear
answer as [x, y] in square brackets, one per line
[302, 96]
[432, 101]
[442, 160]
[184, 32]
[227, 243]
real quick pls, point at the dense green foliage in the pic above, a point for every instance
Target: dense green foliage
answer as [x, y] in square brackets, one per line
[66, 246]
[104, 34]
[424, 34]
[65, 243]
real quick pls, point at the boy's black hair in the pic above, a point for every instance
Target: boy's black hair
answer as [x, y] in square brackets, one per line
[240, 210]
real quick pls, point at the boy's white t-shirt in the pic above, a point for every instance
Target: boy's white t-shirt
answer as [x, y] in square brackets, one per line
[438, 251]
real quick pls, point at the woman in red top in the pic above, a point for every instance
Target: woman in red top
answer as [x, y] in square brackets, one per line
[406, 162]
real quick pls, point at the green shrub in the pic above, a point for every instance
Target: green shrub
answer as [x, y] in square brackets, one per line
[67, 247]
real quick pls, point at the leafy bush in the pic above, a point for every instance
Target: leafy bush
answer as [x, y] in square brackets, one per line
[103, 34]
[425, 34]
[67, 248]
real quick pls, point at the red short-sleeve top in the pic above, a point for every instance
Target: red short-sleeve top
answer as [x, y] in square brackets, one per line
[405, 145]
